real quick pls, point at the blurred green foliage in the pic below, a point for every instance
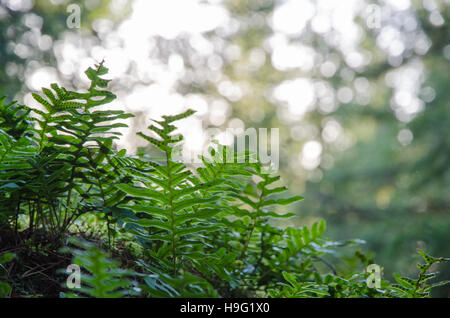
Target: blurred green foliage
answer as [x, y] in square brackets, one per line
[29, 29]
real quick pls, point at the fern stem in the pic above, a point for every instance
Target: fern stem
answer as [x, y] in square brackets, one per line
[253, 225]
[172, 213]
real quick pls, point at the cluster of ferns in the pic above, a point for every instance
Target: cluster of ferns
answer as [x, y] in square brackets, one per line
[196, 232]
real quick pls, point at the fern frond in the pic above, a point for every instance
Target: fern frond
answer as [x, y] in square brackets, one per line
[170, 207]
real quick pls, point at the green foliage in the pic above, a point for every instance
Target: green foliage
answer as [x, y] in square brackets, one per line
[14, 168]
[172, 211]
[370, 178]
[420, 287]
[210, 231]
[103, 277]
[298, 289]
[51, 167]
[5, 287]
[173, 215]
[14, 118]
[158, 283]
[331, 285]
